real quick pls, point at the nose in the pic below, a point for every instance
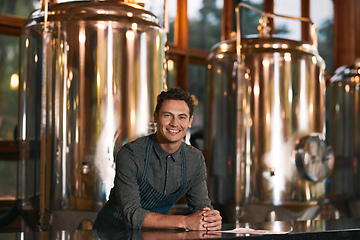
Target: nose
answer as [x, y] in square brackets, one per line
[173, 121]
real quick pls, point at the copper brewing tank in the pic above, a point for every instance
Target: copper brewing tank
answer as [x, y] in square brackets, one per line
[343, 131]
[90, 75]
[266, 128]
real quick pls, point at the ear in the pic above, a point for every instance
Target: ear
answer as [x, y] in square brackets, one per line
[155, 117]
[190, 121]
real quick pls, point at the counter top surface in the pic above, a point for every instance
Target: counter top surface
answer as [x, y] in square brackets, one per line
[314, 229]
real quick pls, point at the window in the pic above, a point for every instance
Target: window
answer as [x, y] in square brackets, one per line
[204, 23]
[172, 9]
[10, 27]
[284, 27]
[9, 56]
[196, 87]
[324, 21]
[19, 8]
[249, 19]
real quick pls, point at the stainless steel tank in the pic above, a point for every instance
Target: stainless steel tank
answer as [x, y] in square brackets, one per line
[343, 131]
[29, 124]
[91, 72]
[266, 128]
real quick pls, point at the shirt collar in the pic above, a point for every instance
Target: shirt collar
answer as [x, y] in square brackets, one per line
[162, 154]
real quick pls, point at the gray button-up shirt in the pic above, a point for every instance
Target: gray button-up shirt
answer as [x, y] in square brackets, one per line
[164, 174]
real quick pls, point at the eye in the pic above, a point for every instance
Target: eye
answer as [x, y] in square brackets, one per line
[182, 117]
[167, 115]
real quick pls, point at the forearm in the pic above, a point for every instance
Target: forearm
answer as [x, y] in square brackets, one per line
[193, 221]
[157, 220]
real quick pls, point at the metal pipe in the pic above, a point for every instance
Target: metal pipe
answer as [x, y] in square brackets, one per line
[313, 31]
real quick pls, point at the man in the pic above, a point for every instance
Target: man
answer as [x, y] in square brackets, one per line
[154, 172]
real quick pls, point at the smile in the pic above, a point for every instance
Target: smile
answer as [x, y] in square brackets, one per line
[173, 131]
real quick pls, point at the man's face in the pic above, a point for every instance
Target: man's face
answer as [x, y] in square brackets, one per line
[173, 121]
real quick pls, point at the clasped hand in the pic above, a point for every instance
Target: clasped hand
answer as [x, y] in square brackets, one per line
[206, 219]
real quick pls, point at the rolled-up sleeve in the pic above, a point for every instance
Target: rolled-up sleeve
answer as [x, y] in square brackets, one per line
[127, 188]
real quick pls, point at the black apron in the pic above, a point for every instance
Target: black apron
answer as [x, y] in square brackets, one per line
[110, 217]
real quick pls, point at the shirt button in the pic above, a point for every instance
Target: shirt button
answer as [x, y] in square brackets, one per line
[165, 191]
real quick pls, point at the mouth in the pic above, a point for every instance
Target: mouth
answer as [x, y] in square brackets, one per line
[173, 131]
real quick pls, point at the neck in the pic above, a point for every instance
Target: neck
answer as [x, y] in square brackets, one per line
[169, 147]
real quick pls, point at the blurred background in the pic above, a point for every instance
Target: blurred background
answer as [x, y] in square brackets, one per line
[194, 27]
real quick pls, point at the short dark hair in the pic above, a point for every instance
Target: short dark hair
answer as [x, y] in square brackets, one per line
[175, 94]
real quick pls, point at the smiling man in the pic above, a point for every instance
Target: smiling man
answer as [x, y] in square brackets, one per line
[154, 172]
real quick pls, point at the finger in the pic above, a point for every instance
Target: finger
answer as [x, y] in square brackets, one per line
[213, 226]
[206, 208]
[212, 222]
[212, 217]
[216, 228]
[212, 213]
